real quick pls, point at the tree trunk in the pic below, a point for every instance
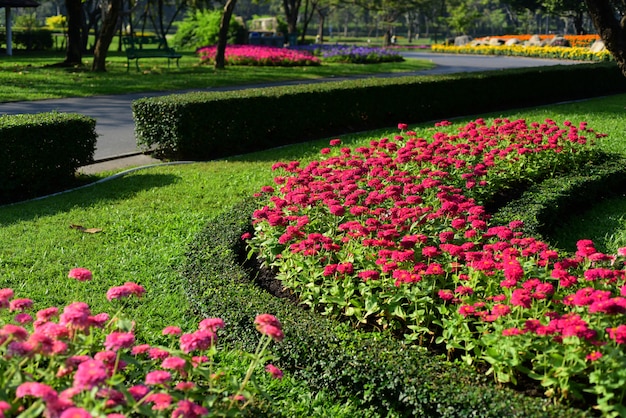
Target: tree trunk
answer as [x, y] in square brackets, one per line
[223, 34]
[291, 8]
[74, 50]
[610, 29]
[111, 15]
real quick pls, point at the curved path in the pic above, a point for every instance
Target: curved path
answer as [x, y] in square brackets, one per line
[115, 125]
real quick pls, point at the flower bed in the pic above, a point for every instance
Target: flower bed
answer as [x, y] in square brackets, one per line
[258, 55]
[73, 363]
[582, 41]
[555, 52]
[352, 54]
[392, 236]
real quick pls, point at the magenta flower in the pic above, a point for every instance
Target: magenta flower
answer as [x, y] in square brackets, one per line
[171, 330]
[188, 409]
[274, 371]
[199, 340]
[174, 363]
[212, 324]
[158, 377]
[20, 304]
[159, 401]
[75, 412]
[269, 325]
[36, 390]
[89, 374]
[126, 290]
[80, 274]
[118, 340]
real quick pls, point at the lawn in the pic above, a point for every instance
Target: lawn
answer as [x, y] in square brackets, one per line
[147, 219]
[30, 76]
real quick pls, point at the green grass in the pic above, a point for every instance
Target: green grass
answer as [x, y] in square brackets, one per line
[31, 76]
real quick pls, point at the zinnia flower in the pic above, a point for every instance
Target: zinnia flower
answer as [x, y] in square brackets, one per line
[89, 374]
[80, 274]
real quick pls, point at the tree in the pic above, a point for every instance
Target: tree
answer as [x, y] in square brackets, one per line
[229, 7]
[610, 23]
[109, 25]
[74, 50]
[570, 9]
[291, 9]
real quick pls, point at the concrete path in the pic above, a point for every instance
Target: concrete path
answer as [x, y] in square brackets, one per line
[115, 125]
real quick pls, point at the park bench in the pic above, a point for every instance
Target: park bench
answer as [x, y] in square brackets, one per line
[138, 47]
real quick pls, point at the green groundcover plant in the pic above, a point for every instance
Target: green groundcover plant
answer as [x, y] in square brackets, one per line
[73, 363]
[395, 236]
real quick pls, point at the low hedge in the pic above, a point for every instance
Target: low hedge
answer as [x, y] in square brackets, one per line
[544, 205]
[381, 374]
[41, 152]
[30, 40]
[208, 125]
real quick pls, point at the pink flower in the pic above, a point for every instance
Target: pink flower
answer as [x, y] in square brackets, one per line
[593, 356]
[5, 296]
[621, 252]
[36, 390]
[89, 374]
[75, 412]
[140, 349]
[335, 142]
[185, 386]
[158, 377]
[20, 304]
[274, 371]
[174, 363]
[160, 401]
[138, 391]
[118, 340]
[171, 330]
[199, 340]
[269, 325]
[158, 353]
[76, 315]
[402, 126]
[126, 290]
[188, 409]
[80, 274]
[23, 318]
[212, 324]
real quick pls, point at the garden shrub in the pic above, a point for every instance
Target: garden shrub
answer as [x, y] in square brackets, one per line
[41, 152]
[201, 27]
[384, 376]
[209, 125]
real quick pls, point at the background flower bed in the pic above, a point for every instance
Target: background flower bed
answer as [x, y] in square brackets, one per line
[352, 54]
[582, 41]
[258, 55]
[573, 53]
[392, 237]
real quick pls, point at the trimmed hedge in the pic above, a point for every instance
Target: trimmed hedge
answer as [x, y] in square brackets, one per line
[384, 376]
[209, 125]
[544, 205]
[41, 152]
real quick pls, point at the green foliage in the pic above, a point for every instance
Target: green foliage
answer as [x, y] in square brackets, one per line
[379, 374]
[201, 126]
[30, 40]
[201, 27]
[542, 206]
[41, 152]
[27, 21]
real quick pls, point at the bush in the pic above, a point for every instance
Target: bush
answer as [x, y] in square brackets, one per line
[41, 152]
[378, 373]
[208, 125]
[201, 27]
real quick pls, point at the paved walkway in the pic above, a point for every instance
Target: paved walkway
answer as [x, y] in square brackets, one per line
[115, 125]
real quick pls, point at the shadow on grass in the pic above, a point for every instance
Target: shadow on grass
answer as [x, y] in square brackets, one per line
[93, 194]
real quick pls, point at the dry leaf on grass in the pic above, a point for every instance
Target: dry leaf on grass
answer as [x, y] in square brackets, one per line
[86, 230]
